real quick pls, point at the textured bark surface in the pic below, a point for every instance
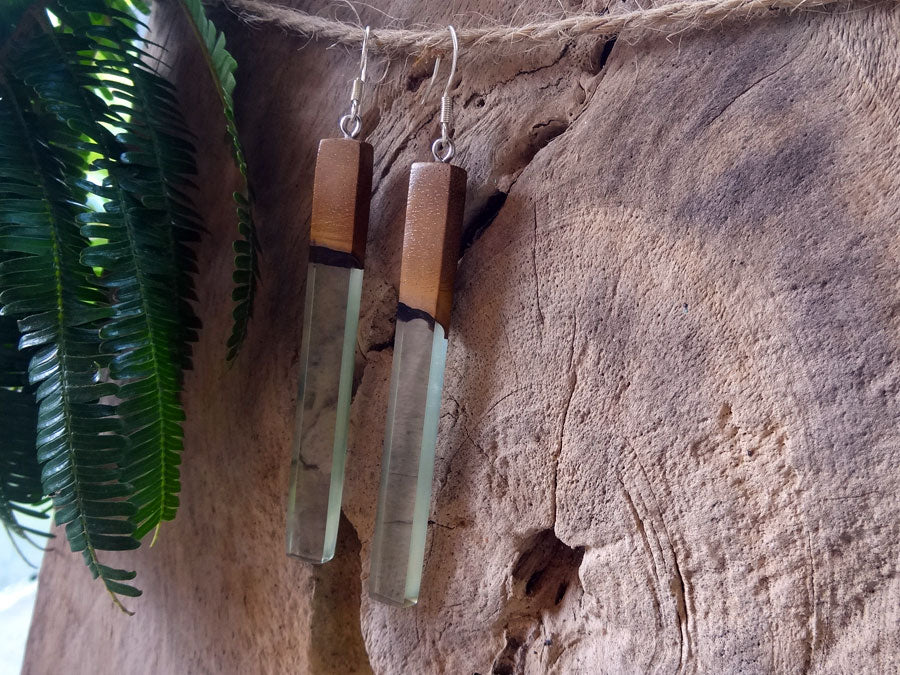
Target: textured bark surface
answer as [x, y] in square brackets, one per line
[669, 429]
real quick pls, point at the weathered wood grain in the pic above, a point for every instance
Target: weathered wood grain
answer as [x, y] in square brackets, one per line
[670, 427]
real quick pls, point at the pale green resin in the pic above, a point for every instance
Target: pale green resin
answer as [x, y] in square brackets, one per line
[331, 317]
[417, 379]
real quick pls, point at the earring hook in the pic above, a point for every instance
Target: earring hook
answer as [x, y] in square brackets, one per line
[351, 123]
[454, 59]
[437, 66]
[364, 58]
[443, 148]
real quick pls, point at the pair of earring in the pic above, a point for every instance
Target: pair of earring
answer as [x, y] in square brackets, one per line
[338, 227]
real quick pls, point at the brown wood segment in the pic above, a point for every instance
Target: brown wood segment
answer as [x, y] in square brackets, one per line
[342, 190]
[434, 211]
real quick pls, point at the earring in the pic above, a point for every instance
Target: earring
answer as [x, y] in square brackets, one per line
[434, 212]
[338, 225]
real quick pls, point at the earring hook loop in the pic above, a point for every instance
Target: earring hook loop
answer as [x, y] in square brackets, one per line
[444, 148]
[351, 123]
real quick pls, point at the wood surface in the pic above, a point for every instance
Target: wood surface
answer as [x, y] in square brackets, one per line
[670, 423]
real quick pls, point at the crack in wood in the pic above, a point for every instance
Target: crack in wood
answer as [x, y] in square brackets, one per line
[663, 544]
[537, 278]
[557, 455]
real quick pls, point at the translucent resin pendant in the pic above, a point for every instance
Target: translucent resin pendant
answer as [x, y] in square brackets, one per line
[323, 413]
[430, 252]
[338, 227]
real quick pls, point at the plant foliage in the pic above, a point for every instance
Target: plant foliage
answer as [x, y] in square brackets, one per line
[59, 307]
[222, 67]
[96, 265]
[20, 473]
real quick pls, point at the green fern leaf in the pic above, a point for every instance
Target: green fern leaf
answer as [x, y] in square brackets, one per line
[158, 160]
[80, 98]
[146, 226]
[246, 270]
[59, 306]
[20, 473]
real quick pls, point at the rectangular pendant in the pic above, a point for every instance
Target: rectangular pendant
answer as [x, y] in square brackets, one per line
[338, 226]
[430, 254]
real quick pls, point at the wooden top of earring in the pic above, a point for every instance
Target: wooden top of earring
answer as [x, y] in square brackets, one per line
[434, 214]
[340, 206]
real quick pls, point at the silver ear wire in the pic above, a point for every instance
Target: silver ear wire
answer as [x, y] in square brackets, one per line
[443, 148]
[434, 74]
[351, 123]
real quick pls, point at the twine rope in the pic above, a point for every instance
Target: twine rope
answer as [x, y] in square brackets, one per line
[667, 19]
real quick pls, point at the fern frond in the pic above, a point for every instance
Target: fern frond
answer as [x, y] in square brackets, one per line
[79, 99]
[60, 306]
[20, 473]
[145, 229]
[157, 160]
[246, 269]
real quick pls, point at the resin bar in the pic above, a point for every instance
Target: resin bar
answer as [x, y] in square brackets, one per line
[340, 216]
[430, 251]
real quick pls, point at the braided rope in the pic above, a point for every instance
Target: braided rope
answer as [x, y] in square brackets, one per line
[668, 19]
